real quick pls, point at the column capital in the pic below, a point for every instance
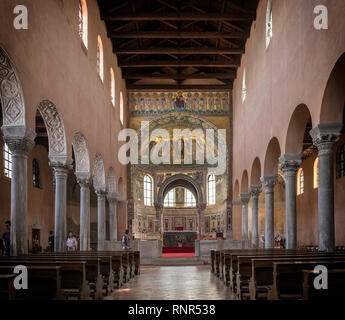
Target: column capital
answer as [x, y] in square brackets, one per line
[269, 181]
[244, 197]
[325, 135]
[113, 197]
[255, 190]
[61, 163]
[19, 139]
[83, 179]
[101, 193]
[290, 162]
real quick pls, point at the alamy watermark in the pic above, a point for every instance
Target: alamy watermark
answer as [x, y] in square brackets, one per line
[167, 149]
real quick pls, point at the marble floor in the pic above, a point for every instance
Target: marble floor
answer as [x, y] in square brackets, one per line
[173, 283]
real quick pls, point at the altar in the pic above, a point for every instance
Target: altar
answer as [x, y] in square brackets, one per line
[179, 238]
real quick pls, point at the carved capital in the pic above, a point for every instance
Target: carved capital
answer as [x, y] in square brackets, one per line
[60, 162]
[113, 197]
[19, 139]
[244, 197]
[269, 181]
[101, 193]
[325, 135]
[255, 191]
[290, 162]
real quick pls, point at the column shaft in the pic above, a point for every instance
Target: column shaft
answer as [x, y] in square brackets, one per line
[60, 175]
[84, 214]
[20, 141]
[290, 163]
[244, 197]
[101, 220]
[324, 137]
[255, 191]
[269, 182]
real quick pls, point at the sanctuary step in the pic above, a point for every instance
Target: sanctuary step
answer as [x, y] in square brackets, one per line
[177, 262]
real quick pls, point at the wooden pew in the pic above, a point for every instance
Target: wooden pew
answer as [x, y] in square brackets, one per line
[73, 274]
[287, 277]
[43, 283]
[262, 270]
[336, 285]
[7, 290]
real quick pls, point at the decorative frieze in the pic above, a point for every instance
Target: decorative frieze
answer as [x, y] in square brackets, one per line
[158, 102]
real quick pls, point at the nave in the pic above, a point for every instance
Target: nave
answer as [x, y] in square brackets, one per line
[173, 283]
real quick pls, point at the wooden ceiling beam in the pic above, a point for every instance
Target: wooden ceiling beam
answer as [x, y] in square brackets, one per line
[153, 50]
[182, 16]
[177, 35]
[179, 63]
[225, 75]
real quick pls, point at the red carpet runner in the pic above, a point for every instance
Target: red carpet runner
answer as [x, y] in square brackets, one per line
[178, 252]
[178, 255]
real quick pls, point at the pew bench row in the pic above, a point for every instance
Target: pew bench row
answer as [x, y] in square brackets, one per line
[83, 275]
[277, 273]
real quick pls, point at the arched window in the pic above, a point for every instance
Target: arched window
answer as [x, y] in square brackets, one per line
[112, 86]
[300, 182]
[211, 189]
[169, 200]
[35, 174]
[189, 199]
[121, 107]
[244, 86]
[82, 25]
[269, 23]
[148, 191]
[316, 173]
[100, 70]
[7, 162]
[341, 162]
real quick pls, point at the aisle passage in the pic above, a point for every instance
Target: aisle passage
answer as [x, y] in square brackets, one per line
[173, 283]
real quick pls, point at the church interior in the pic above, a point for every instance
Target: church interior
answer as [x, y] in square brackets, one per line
[159, 143]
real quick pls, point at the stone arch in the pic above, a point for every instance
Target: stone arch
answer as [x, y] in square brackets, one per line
[99, 172]
[180, 180]
[334, 95]
[296, 129]
[256, 172]
[55, 128]
[236, 191]
[11, 92]
[272, 157]
[81, 152]
[111, 181]
[244, 182]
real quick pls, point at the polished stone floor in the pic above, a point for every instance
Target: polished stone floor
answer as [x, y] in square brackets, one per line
[173, 283]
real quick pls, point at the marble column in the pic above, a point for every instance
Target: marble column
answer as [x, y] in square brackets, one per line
[84, 182]
[101, 195]
[20, 141]
[290, 163]
[112, 200]
[61, 165]
[244, 198]
[268, 182]
[255, 191]
[325, 135]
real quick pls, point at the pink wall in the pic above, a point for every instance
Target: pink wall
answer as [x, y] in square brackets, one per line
[293, 70]
[52, 64]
